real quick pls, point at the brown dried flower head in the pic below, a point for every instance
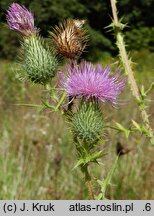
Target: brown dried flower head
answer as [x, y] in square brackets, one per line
[70, 38]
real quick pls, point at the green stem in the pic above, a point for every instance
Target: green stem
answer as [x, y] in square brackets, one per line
[61, 101]
[88, 181]
[127, 66]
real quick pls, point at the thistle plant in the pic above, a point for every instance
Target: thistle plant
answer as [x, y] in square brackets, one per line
[93, 85]
[90, 85]
[140, 95]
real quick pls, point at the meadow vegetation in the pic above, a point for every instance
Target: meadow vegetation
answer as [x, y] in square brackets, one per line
[37, 154]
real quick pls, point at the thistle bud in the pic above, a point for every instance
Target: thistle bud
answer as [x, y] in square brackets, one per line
[88, 122]
[21, 20]
[39, 63]
[70, 39]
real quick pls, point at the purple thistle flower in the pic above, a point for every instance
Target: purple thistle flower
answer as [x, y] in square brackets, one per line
[20, 19]
[92, 81]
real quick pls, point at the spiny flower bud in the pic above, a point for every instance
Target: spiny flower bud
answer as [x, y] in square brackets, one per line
[70, 38]
[20, 20]
[39, 63]
[88, 122]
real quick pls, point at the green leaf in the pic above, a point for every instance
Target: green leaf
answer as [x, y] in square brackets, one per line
[47, 105]
[150, 88]
[79, 163]
[29, 105]
[97, 155]
[143, 93]
[99, 197]
[122, 129]
[107, 181]
[136, 125]
[89, 158]
[140, 128]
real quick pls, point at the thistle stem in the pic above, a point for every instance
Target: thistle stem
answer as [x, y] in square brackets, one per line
[128, 70]
[70, 98]
[88, 181]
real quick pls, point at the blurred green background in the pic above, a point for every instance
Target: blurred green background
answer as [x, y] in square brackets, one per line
[36, 149]
[138, 15]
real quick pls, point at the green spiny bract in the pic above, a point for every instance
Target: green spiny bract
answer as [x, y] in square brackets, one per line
[88, 122]
[39, 63]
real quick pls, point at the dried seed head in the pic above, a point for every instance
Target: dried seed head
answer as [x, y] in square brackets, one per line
[70, 38]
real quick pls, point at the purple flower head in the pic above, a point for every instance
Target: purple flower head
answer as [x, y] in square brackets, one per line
[20, 19]
[92, 81]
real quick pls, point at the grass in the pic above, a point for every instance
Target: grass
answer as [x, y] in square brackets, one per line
[37, 154]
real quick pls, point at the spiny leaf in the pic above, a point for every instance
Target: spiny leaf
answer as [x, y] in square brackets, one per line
[107, 181]
[136, 125]
[140, 128]
[47, 105]
[150, 88]
[87, 158]
[79, 163]
[122, 129]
